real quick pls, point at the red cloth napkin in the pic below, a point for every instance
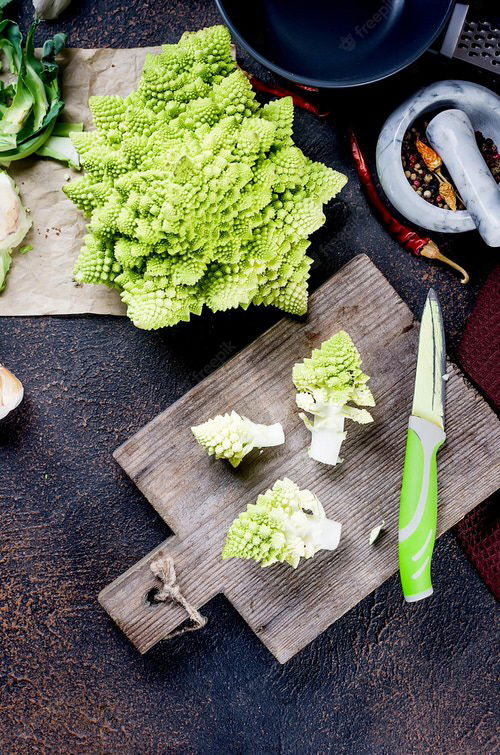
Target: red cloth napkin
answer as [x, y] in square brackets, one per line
[479, 353]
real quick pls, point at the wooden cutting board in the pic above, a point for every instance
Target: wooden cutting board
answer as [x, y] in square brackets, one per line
[199, 497]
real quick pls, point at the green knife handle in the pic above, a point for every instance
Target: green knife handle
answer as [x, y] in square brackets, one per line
[418, 508]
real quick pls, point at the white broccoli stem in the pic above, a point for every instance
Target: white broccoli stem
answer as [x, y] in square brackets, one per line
[327, 434]
[329, 536]
[266, 436]
[324, 533]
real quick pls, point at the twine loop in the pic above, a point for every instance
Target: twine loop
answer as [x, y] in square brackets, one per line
[164, 570]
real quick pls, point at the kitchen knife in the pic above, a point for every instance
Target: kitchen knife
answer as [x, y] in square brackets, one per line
[418, 503]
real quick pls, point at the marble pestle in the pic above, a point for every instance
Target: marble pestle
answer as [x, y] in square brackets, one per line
[451, 134]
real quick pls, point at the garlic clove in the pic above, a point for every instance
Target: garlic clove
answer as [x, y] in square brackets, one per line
[11, 391]
[49, 9]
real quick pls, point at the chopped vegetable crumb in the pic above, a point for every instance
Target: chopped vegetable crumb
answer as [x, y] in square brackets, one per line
[376, 532]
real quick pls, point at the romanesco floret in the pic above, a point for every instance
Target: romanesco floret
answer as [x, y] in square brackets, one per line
[231, 437]
[285, 525]
[206, 182]
[326, 382]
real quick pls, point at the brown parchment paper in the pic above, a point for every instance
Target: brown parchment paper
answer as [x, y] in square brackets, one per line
[40, 282]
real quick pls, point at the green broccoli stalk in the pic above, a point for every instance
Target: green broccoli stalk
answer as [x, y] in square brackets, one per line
[285, 525]
[14, 223]
[59, 145]
[231, 437]
[60, 148]
[326, 382]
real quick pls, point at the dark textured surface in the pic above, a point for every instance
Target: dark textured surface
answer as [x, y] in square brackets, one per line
[385, 678]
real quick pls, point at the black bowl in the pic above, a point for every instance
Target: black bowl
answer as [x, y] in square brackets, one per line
[328, 44]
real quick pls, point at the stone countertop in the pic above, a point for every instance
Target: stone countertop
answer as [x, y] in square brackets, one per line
[385, 678]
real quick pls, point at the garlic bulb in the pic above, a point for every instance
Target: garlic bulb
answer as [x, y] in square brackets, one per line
[11, 391]
[50, 9]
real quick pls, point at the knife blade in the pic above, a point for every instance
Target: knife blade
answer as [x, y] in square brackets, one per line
[418, 502]
[428, 396]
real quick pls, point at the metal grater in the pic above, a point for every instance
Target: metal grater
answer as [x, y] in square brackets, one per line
[475, 41]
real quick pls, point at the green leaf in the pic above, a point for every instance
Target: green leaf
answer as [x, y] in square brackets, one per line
[7, 92]
[17, 114]
[51, 48]
[5, 263]
[10, 44]
[33, 80]
[7, 143]
[29, 146]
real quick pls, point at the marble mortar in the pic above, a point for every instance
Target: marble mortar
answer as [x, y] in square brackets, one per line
[481, 105]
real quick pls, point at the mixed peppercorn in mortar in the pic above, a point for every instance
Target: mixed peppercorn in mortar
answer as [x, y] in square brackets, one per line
[431, 182]
[197, 195]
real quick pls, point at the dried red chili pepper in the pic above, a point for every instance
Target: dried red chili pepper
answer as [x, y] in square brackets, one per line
[278, 91]
[406, 237]
[409, 239]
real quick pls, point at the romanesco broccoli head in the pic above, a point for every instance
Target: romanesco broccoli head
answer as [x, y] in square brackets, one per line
[231, 437]
[206, 182]
[284, 525]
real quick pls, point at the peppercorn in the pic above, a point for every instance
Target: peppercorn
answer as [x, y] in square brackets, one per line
[417, 174]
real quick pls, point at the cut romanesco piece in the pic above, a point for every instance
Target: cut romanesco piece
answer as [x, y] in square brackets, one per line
[326, 382]
[231, 437]
[208, 184]
[285, 525]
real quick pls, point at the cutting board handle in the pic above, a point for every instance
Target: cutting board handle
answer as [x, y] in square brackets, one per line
[150, 601]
